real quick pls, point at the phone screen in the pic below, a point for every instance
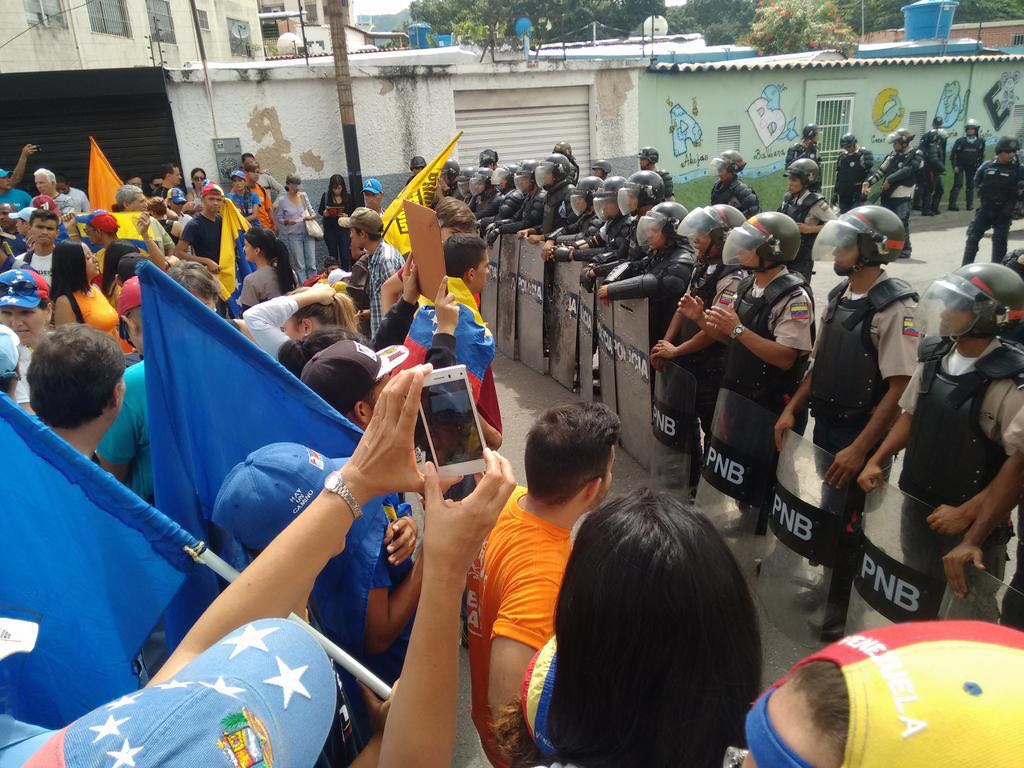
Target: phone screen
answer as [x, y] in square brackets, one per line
[448, 412]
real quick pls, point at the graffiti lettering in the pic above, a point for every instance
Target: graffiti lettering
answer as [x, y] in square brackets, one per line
[693, 160]
[769, 119]
[887, 111]
[765, 154]
[1001, 98]
[685, 130]
[951, 104]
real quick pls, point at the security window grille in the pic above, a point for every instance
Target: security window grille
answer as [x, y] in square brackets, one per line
[1017, 120]
[832, 114]
[204, 20]
[728, 137]
[311, 13]
[1017, 39]
[46, 13]
[240, 37]
[918, 123]
[109, 17]
[161, 25]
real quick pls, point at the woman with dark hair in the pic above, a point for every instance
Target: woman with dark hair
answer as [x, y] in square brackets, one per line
[292, 211]
[75, 298]
[273, 276]
[334, 203]
[112, 256]
[656, 641]
[197, 180]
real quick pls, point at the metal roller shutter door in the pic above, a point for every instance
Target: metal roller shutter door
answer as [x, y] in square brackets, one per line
[492, 119]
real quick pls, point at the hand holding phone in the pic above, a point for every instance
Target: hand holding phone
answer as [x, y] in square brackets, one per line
[451, 425]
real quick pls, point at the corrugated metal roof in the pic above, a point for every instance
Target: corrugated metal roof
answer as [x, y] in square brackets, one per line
[785, 63]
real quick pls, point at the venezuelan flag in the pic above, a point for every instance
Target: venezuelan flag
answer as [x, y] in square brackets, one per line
[103, 181]
[233, 264]
[474, 343]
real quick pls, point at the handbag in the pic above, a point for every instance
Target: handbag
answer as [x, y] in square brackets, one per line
[313, 227]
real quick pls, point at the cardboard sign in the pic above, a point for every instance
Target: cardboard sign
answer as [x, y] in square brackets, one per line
[427, 251]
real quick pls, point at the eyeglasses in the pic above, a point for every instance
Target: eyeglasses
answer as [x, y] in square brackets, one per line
[734, 757]
[198, 178]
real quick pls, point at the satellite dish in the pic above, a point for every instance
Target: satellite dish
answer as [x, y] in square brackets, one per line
[287, 43]
[655, 26]
[523, 26]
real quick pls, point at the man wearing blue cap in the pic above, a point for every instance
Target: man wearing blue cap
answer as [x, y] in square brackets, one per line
[246, 201]
[9, 193]
[176, 203]
[373, 195]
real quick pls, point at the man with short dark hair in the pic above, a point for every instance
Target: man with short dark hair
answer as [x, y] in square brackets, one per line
[170, 178]
[78, 198]
[43, 226]
[75, 380]
[367, 235]
[202, 234]
[513, 586]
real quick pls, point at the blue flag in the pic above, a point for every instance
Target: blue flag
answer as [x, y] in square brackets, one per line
[86, 564]
[214, 397]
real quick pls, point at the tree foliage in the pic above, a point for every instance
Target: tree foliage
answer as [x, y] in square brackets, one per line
[792, 26]
[722, 22]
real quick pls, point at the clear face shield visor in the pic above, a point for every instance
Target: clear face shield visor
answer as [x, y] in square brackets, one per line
[523, 182]
[742, 242]
[578, 202]
[628, 199]
[649, 225]
[951, 306]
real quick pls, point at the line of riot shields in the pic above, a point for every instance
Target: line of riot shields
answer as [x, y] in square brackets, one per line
[823, 561]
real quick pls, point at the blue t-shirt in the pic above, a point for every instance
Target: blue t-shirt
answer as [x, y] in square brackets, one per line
[246, 203]
[19, 198]
[204, 237]
[127, 440]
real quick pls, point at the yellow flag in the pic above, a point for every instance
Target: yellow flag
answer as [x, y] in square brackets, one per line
[421, 191]
[103, 182]
[233, 226]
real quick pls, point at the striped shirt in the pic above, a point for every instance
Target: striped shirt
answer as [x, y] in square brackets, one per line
[383, 263]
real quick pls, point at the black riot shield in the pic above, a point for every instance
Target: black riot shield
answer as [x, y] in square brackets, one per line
[900, 576]
[565, 309]
[489, 295]
[674, 424]
[604, 325]
[633, 377]
[806, 529]
[586, 344]
[530, 300]
[737, 473]
[508, 279]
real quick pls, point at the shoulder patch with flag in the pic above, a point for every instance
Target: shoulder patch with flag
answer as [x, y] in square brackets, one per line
[909, 329]
[799, 310]
[727, 299]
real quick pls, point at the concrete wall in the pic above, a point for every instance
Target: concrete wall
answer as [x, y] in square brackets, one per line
[74, 45]
[771, 106]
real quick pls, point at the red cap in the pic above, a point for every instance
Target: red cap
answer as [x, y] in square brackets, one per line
[130, 296]
[46, 202]
[211, 189]
[105, 222]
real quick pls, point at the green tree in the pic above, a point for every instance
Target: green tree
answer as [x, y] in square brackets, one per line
[791, 26]
[722, 22]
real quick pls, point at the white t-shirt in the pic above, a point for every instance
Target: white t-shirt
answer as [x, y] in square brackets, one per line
[956, 364]
[21, 392]
[41, 264]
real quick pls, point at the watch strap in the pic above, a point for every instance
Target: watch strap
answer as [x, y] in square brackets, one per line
[338, 487]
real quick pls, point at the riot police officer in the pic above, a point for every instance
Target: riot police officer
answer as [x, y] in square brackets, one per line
[729, 190]
[863, 358]
[641, 192]
[613, 232]
[565, 149]
[663, 274]
[808, 209]
[447, 182]
[852, 169]
[585, 225]
[510, 198]
[416, 164]
[897, 172]
[770, 326]
[648, 158]
[485, 201]
[807, 148]
[531, 211]
[488, 159]
[999, 184]
[933, 149]
[966, 389]
[466, 172]
[553, 175]
[602, 169]
[713, 284]
[967, 154]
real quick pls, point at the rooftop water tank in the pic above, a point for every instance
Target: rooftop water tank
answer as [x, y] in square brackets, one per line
[419, 35]
[928, 19]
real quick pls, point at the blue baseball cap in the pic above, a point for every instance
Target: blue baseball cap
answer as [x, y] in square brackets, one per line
[8, 352]
[4, 174]
[238, 173]
[264, 695]
[373, 186]
[176, 196]
[23, 289]
[263, 494]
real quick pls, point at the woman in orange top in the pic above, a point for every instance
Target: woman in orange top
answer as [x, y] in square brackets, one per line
[75, 298]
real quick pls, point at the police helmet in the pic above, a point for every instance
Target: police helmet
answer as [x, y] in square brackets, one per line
[937, 122]
[773, 236]
[876, 234]
[848, 140]
[602, 165]
[465, 174]
[488, 158]
[562, 148]
[811, 131]
[606, 199]
[480, 180]
[730, 160]
[643, 189]
[1007, 144]
[804, 169]
[713, 220]
[554, 169]
[450, 170]
[525, 175]
[501, 174]
[975, 300]
[418, 163]
[902, 135]
[664, 217]
[648, 153]
[582, 196]
[972, 123]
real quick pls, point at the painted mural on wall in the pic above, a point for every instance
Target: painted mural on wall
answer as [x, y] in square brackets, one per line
[1001, 98]
[686, 131]
[887, 110]
[951, 104]
[769, 119]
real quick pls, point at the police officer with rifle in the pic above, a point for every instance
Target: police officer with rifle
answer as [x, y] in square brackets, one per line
[897, 173]
[852, 169]
[864, 356]
[808, 209]
[1000, 183]
[967, 154]
[729, 190]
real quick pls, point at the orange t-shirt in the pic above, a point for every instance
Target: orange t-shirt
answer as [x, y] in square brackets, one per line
[511, 591]
[265, 211]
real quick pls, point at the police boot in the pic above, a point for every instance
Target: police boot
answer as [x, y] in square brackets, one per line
[953, 207]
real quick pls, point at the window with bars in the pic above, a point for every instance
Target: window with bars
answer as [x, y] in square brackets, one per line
[312, 16]
[240, 37]
[161, 25]
[109, 17]
[1017, 121]
[728, 137]
[917, 122]
[1017, 39]
[204, 20]
[47, 13]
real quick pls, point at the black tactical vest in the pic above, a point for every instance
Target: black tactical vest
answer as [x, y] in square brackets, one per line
[970, 152]
[847, 385]
[746, 373]
[998, 183]
[704, 285]
[949, 459]
[556, 208]
[850, 169]
[799, 212]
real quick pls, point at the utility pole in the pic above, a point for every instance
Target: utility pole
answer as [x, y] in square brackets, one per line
[206, 68]
[338, 16]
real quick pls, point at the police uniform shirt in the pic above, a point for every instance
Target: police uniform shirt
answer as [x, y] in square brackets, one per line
[725, 288]
[1001, 406]
[1014, 434]
[893, 333]
[820, 212]
[791, 320]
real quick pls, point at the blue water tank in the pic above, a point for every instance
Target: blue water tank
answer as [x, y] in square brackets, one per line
[443, 41]
[419, 35]
[928, 19]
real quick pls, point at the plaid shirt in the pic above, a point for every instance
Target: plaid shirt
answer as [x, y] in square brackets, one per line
[384, 262]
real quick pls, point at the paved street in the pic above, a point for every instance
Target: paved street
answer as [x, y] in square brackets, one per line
[938, 248]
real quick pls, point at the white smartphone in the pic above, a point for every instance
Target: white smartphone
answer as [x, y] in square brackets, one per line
[450, 423]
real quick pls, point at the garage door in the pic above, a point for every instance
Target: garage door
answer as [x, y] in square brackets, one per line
[523, 124]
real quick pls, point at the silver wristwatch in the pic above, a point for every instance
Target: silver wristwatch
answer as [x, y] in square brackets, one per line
[336, 484]
[737, 332]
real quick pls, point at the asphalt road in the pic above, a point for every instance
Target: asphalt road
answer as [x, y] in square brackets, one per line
[937, 249]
